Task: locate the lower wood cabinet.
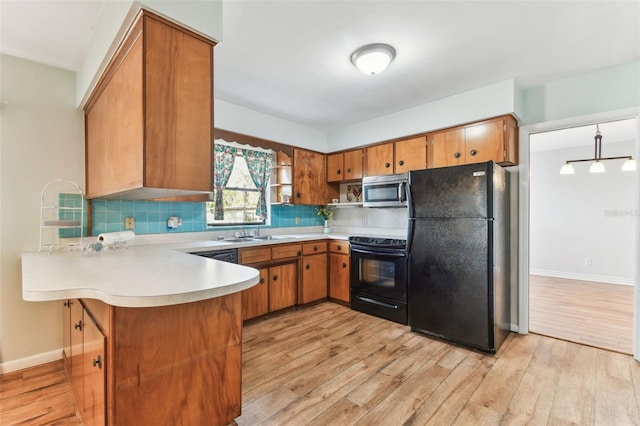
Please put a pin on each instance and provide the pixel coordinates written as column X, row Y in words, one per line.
column 283, row 281
column 339, row 271
column 165, row 365
column 277, row 289
column 313, row 285
column 255, row 300
column 85, row 352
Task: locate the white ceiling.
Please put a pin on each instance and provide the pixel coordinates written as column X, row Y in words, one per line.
column 290, row 58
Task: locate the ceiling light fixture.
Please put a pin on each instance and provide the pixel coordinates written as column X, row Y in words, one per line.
column 598, row 166
column 373, row 58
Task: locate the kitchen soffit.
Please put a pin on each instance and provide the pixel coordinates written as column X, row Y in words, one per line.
column 291, row 59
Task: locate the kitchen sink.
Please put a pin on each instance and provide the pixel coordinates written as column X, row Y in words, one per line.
column 250, row 238
column 271, row 237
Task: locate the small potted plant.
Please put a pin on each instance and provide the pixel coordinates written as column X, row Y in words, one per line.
column 326, row 213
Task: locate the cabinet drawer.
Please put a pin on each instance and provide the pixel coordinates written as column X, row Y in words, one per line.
column 339, row 247
column 314, row 247
column 253, row 255
column 286, row 250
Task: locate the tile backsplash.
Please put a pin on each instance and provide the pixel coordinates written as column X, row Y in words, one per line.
column 151, row 216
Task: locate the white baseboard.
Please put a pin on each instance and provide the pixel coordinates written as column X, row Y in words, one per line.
column 582, row 277
column 30, row 361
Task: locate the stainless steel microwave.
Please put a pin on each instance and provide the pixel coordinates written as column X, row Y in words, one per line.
column 385, row 191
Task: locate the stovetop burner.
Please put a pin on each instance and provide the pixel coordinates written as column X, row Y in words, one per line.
column 395, row 243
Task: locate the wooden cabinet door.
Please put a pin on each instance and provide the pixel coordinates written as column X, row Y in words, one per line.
column 339, row 275
column 283, row 280
column 114, row 126
column 411, row 154
column 77, row 353
column 378, row 160
column 353, row 164
column 335, row 167
column 314, row 278
column 255, row 300
column 484, row 142
column 309, row 177
column 178, row 108
column 94, row 373
column 66, row 334
column 447, row 148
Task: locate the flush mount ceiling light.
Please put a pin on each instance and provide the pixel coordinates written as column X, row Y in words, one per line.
column 373, row 58
column 598, row 166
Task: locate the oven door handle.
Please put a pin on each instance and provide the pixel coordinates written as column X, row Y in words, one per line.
column 381, row 253
column 377, row 302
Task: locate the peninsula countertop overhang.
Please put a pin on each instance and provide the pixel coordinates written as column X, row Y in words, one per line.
column 143, row 275
column 138, row 276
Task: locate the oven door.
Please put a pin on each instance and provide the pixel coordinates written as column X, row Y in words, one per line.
column 379, row 283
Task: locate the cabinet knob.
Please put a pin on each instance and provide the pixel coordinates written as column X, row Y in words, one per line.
column 401, row 162
column 344, row 265
column 97, row 362
column 473, row 152
column 299, row 252
column 67, row 303
column 298, row 194
column 315, row 248
column 349, row 170
column 339, row 171
column 307, row 266
column 338, row 248
column 261, row 280
column 456, row 155
column 387, row 165
column 275, row 278
column 78, row 326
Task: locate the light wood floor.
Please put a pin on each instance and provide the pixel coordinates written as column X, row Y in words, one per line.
column 329, row 365
column 590, row 313
column 37, row 396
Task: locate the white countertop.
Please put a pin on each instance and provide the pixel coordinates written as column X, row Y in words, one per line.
column 142, row 275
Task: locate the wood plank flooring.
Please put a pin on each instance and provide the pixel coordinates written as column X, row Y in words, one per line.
column 37, row 396
column 590, row 313
column 329, row 365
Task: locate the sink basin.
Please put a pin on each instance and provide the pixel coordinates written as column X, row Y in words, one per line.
column 272, row 237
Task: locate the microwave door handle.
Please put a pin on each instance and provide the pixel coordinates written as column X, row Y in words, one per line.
column 403, row 191
column 400, row 197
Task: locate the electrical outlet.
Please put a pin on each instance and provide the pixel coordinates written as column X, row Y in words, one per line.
column 365, row 219
column 297, row 220
column 587, row 261
column 129, row 223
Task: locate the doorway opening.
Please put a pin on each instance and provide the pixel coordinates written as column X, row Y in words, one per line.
column 582, row 237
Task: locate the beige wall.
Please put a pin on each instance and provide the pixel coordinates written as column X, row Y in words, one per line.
column 41, row 138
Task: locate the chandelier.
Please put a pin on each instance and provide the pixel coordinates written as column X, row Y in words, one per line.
column 597, row 166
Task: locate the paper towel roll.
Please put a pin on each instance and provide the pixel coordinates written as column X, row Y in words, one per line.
column 116, row 237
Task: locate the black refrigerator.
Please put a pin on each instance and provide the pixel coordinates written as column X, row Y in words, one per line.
column 458, row 254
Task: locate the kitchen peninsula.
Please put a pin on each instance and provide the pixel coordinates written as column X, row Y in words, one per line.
column 152, row 334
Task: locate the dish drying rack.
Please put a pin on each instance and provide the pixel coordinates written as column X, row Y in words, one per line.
column 61, row 215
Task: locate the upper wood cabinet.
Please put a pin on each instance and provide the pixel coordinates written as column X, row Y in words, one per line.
column 309, row 178
column 149, row 121
column 344, row 166
column 494, row 139
column 396, row 157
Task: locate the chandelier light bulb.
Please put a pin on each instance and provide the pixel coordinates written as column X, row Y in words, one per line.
column 567, row 169
column 597, row 167
column 629, row 165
